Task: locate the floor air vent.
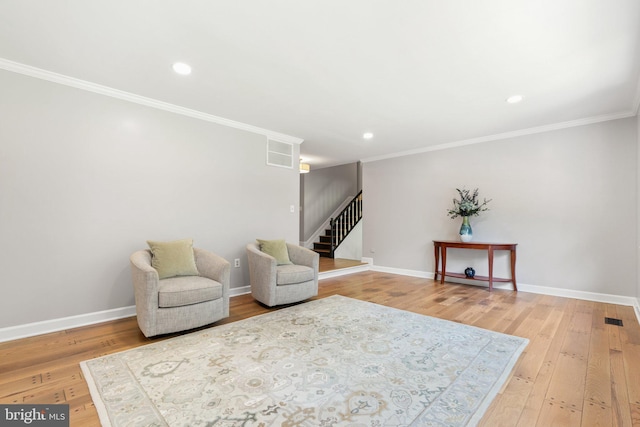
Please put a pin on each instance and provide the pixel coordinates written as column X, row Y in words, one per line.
column 611, row 321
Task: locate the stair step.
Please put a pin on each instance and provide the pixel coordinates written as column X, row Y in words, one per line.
column 322, row 246
column 323, row 253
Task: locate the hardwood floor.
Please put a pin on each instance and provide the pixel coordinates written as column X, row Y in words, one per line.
column 576, row 371
column 330, row 264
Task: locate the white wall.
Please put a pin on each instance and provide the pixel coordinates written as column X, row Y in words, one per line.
column 567, row 197
column 638, row 193
column 351, row 246
column 86, row 179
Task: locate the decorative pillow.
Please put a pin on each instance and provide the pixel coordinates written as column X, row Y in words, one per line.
column 277, row 249
column 173, row 258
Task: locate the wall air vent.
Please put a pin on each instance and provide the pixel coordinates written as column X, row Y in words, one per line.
column 279, row 154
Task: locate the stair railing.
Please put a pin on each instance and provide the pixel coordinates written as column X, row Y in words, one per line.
column 342, row 225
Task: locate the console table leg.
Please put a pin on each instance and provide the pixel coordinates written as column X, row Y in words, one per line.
column 513, row 269
column 490, row 269
column 444, row 265
column 436, row 250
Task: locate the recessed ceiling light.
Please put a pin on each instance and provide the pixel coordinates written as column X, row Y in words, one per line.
column 182, row 68
column 514, row 99
column 367, row 135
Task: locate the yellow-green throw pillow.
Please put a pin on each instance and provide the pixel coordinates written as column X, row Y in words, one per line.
column 173, row 258
column 277, row 249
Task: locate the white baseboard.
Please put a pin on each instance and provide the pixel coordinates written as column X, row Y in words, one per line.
column 55, row 325
column 636, row 308
column 343, row 271
column 403, row 272
column 243, row 290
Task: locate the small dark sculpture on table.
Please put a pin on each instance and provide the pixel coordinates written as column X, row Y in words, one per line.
column 469, row 272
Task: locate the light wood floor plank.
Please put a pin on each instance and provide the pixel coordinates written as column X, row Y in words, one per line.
column 597, row 385
column 619, row 396
column 553, row 414
column 632, row 372
column 509, row 404
column 594, row 415
column 613, row 331
column 567, row 384
column 536, row 400
column 534, row 355
column 635, row 415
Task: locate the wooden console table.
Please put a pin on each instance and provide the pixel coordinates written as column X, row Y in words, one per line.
column 440, row 248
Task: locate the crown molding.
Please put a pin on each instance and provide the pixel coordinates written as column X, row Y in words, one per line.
column 62, row 79
column 505, row 135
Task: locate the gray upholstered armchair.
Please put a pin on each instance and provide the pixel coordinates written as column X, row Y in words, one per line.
column 182, row 302
column 274, row 284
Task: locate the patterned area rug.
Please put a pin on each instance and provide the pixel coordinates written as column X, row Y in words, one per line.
column 336, row 361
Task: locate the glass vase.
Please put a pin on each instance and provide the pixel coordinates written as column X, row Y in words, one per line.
column 465, row 230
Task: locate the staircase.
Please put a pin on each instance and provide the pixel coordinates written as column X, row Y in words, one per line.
column 340, row 227
column 323, row 247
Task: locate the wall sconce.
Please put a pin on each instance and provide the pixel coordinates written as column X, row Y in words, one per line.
column 304, row 168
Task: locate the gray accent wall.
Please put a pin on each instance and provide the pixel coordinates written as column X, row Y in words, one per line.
column 568, row 198
column 324, row 190
column 86, row 179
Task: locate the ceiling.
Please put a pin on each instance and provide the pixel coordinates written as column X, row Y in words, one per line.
column 415, row 73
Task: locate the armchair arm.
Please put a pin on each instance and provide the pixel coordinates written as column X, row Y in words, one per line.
column 216, row 268
column 303, row 256
column 212, row 266
column 145, row 277
column 145, row 286
column 262, row 274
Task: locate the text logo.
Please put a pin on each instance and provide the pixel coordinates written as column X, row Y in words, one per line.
column 34, row 415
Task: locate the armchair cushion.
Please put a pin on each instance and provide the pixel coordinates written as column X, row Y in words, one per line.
column 277, row 249
column 179, row 291
column 173, row 258
column 292, row 274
